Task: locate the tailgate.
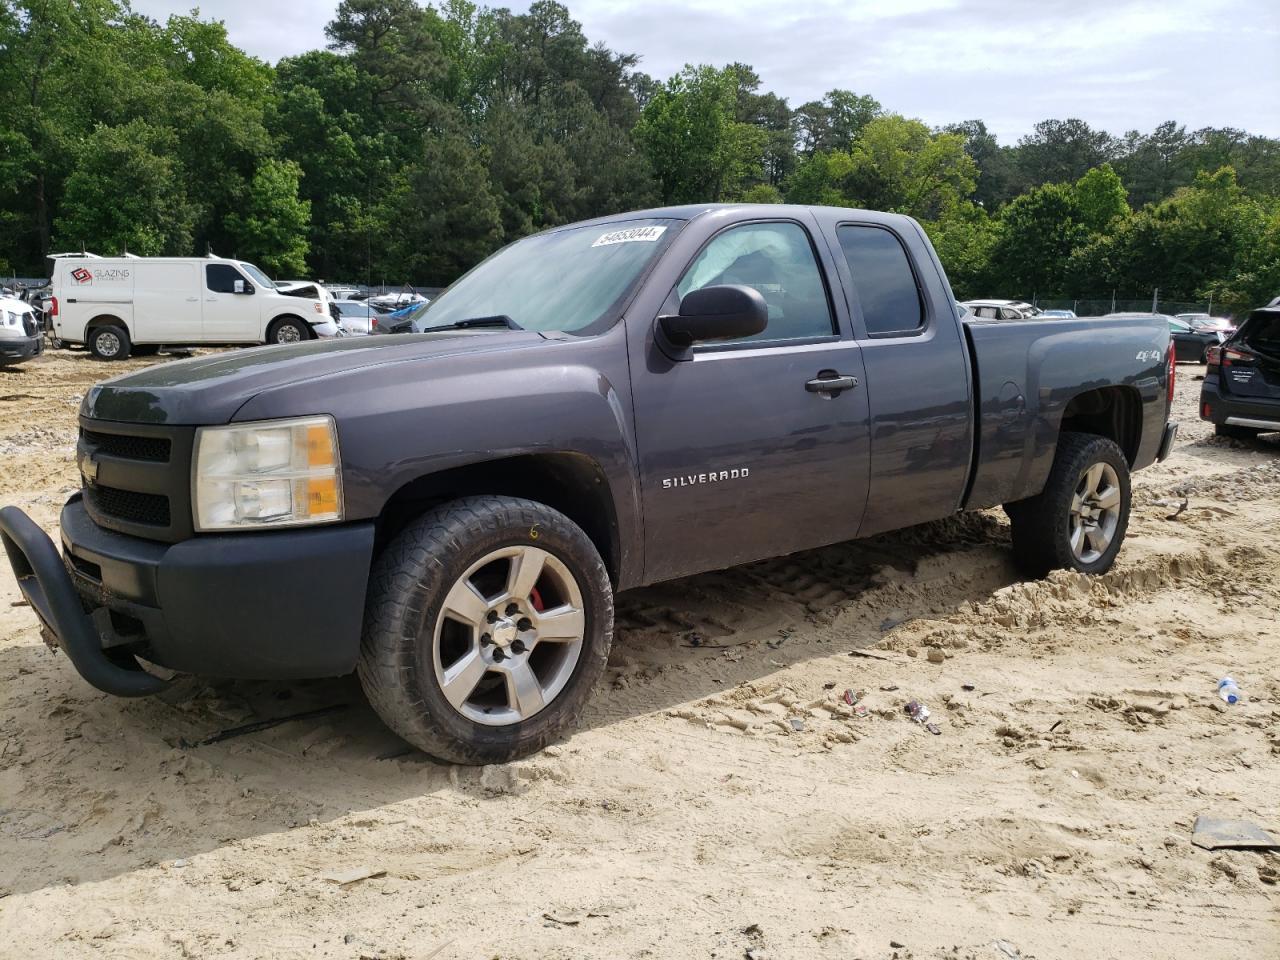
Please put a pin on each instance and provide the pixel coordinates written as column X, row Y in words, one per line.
column 1251, row 359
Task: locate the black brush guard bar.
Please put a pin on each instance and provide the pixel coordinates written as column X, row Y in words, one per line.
column 45, row 583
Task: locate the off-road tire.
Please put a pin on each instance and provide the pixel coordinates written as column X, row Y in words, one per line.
column 273, row 331
column 407, row 586
column 1041, row 524
column 100, row 342
column 1235, row 432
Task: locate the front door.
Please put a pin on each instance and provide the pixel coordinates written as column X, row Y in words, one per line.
column 753, row 448
column 230, row 314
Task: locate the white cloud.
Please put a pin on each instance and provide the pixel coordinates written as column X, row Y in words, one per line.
column 1119, row 64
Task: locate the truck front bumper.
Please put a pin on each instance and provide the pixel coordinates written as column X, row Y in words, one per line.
column 17, row 349
column 285, row 604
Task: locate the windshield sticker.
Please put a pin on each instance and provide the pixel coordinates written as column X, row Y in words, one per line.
column 632, row 235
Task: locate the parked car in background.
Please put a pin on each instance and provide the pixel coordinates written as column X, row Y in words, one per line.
column 1189, row 345
column 343, row 291
column 402, row 320
column 1240, row 395
column 119, row 306
column 1058, row 314
column 1207, row 322
column 396, row 301
column 356, row 317
column 1001, row 309
column 20, row 335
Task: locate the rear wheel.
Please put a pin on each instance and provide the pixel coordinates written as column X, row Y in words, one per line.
column 1079, row 521
column 288, row 330
column 487, row 624
column 109, row 342
column 1234, row 432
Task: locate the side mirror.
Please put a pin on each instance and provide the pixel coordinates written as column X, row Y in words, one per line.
column 242, row 286
column 725, row 312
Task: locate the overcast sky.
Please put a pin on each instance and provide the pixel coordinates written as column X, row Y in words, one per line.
column 1119, row 64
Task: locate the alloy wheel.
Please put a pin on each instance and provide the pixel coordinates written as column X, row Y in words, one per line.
column 1095, row 512
column 509, row 634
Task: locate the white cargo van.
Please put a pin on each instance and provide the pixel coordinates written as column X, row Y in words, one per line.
column 122, row 305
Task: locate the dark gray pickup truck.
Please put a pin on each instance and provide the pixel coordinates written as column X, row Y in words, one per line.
column 597, row 407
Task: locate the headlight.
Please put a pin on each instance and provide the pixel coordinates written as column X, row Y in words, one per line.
column 275, row 473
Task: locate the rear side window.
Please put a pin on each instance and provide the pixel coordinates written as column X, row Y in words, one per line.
column 883, row 280
column 221, row 277
column 1262, row 332
column 180, row 277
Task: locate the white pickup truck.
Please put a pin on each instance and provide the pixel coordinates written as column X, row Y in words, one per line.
column 122, row 305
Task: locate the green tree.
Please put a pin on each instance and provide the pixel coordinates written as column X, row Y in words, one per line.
column 1101, row 199
column 695, row 146
column 1184, row 244
column 898, row 164
column 1060, row 151
column 965, row 237
column 270, row 226
column 834, row 122
column 125, row 193
column 1254, row 277
column 1038, row 232
column 996, row 174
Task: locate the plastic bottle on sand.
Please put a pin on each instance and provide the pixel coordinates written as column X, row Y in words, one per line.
column 1228, row 690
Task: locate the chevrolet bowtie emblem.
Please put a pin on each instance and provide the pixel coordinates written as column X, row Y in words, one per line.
column 88, row 467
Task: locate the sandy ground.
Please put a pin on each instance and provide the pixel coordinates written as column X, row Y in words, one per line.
column 1051, row 817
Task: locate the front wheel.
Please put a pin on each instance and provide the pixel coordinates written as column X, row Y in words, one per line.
column 488, row 622
column 1079, row 520
column 287, row 330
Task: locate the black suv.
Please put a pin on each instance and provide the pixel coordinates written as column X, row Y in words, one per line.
column 1241, row 392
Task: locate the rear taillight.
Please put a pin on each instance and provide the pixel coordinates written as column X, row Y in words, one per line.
column 1172, row 372
column 1213, row 357
column 1232, row 355
column 373, row 324
column 53, row 306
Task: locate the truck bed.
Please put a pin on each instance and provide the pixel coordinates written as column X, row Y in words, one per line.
column 1029, row 373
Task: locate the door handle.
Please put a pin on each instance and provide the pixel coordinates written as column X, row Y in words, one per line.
column 192, row 299
column 830, row 382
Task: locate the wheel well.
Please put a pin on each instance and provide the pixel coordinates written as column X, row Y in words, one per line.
column 1113, row 412
column 105, row 320
column 571, row 483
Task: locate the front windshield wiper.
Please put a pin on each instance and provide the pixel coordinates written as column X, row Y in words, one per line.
column 497, row 320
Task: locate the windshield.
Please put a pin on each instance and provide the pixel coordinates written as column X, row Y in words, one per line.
column 573, row 280
column 257, row 276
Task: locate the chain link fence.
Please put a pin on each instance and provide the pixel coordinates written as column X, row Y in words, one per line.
column 1098, row 306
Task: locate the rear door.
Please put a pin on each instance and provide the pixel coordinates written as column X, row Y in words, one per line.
column 741, row 455
column 917, row 373
column 166, row 302
column 230, row 312
column 1251, row 359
